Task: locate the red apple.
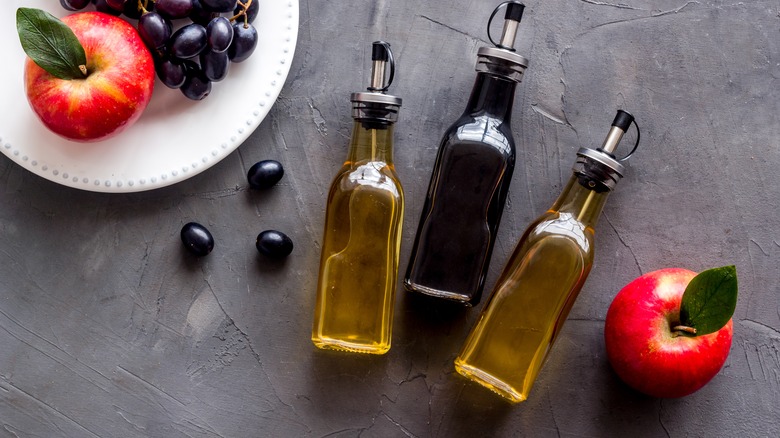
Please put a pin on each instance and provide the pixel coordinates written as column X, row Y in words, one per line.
column 113, row 94
column 648, row 347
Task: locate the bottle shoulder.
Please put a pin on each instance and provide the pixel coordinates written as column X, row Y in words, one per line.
column 560, row 225
column 373, row 175
column 480, row 130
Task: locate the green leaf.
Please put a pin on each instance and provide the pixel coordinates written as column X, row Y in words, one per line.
column 709, row 300
column 50, row 43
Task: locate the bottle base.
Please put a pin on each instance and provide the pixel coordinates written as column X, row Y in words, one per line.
column 489, row 381
column 464, row 299
column 352, row 347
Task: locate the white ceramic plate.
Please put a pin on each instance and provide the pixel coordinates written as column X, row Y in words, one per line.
column 174, row 139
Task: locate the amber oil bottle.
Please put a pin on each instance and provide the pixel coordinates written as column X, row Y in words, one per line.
column 363, row 220
column 537, row 288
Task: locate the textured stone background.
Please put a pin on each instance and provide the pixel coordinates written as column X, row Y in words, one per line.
column 107, row 328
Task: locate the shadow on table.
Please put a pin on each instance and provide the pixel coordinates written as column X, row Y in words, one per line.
column 431, row 332
column 434, row 317
column 345, row 385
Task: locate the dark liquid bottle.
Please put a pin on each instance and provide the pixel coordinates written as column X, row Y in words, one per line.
column 470, row 181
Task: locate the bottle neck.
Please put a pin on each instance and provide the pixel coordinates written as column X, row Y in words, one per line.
column 581, row 202
column 493, row 95
column 371, row 142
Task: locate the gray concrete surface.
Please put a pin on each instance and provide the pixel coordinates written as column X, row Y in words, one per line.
column 107, row 328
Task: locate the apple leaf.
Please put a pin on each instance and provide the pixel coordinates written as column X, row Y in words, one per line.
column 709, row 300
column 51, row 44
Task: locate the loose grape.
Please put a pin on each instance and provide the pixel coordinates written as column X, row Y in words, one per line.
column 251, row 12
column 171, row 73
column 265, row 174
column 155, row 30
column 188, row 41
column 74, row 5
column 196, row 85
column 214, row 65
column 174, row 9
column 220, row 34
column 197, row 239
column 244, row 42
column 219, row 5
column 274, row 244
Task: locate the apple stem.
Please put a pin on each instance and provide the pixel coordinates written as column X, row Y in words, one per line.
column 684, row 328
column 83, row 69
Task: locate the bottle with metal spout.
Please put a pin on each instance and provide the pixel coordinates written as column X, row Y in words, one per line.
column 470, row 179
column 359, row 262
column 534, row 294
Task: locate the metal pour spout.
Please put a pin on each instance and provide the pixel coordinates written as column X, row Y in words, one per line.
column 619, row 127
column 514, row 13
column 375, row 106
column 381, row 55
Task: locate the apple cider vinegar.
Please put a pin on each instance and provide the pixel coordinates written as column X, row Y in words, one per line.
column 534, row 294
column 360, row 250
column 533, row 297
column 363, row 221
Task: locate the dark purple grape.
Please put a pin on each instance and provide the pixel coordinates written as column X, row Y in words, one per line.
column 220, row 34
column 188, row 41
column 102, row 6
column 132, row 11
column 244, row 42
column 197, row 239
column 274, row 244
column 196, row 85
column 214, row 65
column 174, row 9
column 265, row 174
column 190, row 66
column 117, row 5
column 219, row 5
column 171, row 73
column 251, row 12
column 200, row 14
column 155, row 30
column 74, row 5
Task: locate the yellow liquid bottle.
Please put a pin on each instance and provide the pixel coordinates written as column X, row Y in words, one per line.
column 534, row 294
column 360, row 250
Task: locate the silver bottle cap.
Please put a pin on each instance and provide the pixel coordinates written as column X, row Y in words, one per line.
column 599, row 169
column 502, row 59
column 374, row 104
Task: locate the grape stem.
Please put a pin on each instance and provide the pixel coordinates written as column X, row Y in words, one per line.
column 244, row 8
column 142, row 5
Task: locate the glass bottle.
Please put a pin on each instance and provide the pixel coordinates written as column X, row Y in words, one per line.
column 534, row 294
column 359, row 262
column 470, row 179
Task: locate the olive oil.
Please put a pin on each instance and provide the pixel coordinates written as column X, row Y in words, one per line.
column 470, row 180
column 539, row 284
column 534, row 295
column 360, row 250
column 362, row 238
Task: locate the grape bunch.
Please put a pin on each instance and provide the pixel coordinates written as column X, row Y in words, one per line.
column 188, row 55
